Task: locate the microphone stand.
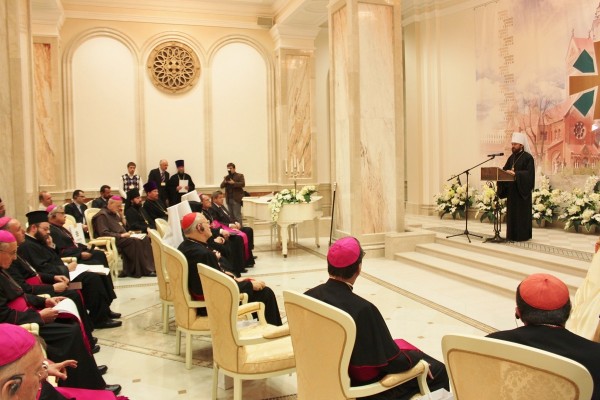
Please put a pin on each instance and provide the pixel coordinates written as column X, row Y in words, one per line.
column 467, row 173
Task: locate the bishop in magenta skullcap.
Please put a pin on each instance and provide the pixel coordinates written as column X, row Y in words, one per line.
column 6, row 237
column 344, row 252
column 4, row 221
column 544, row 292
column 116, row 198
column 15, row 342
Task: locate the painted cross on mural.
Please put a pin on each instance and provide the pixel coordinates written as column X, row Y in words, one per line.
column 583, row 83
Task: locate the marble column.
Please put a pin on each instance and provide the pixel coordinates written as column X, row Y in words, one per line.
column 367, row 118
column 18, row 178
column 295, row 101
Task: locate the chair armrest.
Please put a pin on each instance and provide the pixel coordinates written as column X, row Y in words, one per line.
column 243, row 298
column 197, row 304
column 420, row 371
column 32, row 327
column 43, row 296
column 68, row 260
column 392, row 380
column 99, row 242
column 280, row 331
column 248, row 308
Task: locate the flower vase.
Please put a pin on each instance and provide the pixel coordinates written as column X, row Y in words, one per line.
column 588, row 230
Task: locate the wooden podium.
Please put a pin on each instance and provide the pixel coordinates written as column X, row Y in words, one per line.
column 496, row 174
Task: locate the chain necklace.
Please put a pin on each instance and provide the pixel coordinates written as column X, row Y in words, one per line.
column 517, row 159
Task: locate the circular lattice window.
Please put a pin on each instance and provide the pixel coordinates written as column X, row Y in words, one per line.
column 173, row 67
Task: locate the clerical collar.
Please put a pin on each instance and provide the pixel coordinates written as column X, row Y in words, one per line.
column 335, row 278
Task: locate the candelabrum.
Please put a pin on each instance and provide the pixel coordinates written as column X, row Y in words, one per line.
column 296, row 170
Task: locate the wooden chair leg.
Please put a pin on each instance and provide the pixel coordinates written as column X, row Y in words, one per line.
column 177, row 341
column 237, row 388
column 215, row 380
column 188, row 350
column 165, row 317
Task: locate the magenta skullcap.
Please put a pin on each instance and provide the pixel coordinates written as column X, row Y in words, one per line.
column 544, row 292
column 7, row 237
column 344, row 252
column 15, row 342
column 4, row 221
column 50, row 208
column 116, row 198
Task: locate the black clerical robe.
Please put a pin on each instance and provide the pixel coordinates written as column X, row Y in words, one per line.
column 33, row 283
column 97, row 289
column 174, row 195
column 232, row 249
column 138, row 219
column 66, row 246
column 64, row 339
column 374, row 347
column 221, row 215
column 559, row 341
column 518, row 196
column 197, row 252
column 155, row 209
column 137, row 253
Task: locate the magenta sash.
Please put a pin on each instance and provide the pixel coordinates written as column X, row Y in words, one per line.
column 85, row 394
column 34, row 280
column 20, row 304
column 235, row 232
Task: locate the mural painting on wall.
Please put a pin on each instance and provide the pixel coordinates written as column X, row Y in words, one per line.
column 538, row 72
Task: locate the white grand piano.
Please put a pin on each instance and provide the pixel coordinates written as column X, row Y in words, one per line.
column 257, row 208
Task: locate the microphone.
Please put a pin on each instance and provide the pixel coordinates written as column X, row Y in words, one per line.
column 495, row 154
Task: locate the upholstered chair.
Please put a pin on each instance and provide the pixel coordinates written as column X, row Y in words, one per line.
column 164, row 285
column 485, row 368
column 322, row 360
column 255, row 352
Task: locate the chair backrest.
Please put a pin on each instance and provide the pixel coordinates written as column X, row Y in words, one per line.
column 89, row 215
column 321, row 360
column 222, row 301
column 69, row 221
column 162, row 276
column 485, row 368
column 162, row 226
column 185, row 307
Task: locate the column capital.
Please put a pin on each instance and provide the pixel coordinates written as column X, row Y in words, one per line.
column 294, row 37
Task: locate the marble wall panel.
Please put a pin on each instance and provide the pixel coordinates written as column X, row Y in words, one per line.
column 43, row 115
column 240, row 116
column 341, row 118
column 377, row 118
column 298, row 80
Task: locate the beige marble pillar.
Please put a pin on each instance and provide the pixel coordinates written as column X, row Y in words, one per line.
column 18, row 178
column 295, row 102
column 367, row 118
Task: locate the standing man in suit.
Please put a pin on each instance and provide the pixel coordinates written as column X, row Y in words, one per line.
column 77, row 209
column 234, row 183
column 179, row 184
column 160, row 176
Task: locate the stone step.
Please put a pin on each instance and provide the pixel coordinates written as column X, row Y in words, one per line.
column 493, row 273
column 547, row 261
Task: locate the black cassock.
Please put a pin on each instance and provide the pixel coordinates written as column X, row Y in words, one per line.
column 518, row 196
column 374, row 347
column 174, row 195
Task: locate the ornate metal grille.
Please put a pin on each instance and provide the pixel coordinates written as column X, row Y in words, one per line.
column 173, row 67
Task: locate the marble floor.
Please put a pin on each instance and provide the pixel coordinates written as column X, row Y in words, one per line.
column 418, row 306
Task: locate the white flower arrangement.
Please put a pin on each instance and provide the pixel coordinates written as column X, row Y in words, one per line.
column 545, row 202
column 452, row 199
column 289, row 196
column 484, row 203
column 581, row 207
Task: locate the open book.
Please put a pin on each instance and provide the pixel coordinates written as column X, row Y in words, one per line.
column 67, row 306
column 138, row 235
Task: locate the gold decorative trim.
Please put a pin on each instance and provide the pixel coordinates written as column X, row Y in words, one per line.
column 173, row 67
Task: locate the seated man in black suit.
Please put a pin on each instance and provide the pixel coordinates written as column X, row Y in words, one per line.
column 77, row 209
column 154, row 206
column 102, row 201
